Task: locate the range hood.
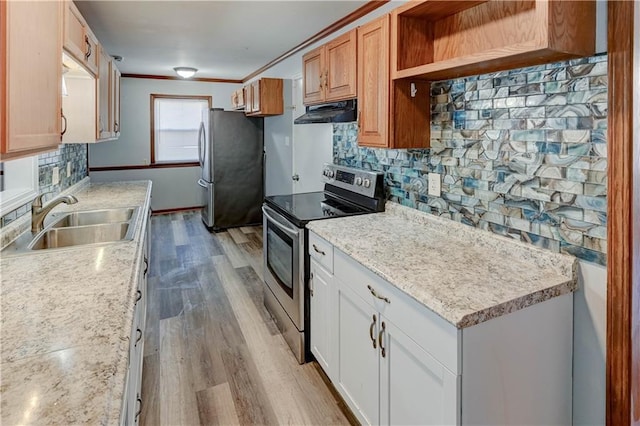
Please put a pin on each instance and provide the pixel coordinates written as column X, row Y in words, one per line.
column 336, row 112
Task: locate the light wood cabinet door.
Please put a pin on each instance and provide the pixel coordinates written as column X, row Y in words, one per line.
column 340, row 67
column 313, row 76
column 115, row 99
column 256, row 96
column 31, row 82
column 248, row 99
column 414, row 387
column 79, row 41
column 322, row 331
column 357, row 354
column 104, row 93
column 373, row 83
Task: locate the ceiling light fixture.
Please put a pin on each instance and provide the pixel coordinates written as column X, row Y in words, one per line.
column 185, row 72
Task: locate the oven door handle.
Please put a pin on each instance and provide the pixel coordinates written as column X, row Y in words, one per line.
column 268, row 212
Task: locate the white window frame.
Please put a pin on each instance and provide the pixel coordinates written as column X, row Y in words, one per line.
column 20, row 183
column 154, row 159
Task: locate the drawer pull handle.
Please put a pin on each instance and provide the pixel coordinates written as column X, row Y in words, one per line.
column 139, row 296
column 311, row 284
column 373, row 338
column 146, row 266
column 139, row 332
column 315, row 247
column 382, row 348
column 139, row 401
column 372, row 290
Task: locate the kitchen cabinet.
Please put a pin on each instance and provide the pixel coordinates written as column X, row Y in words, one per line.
column 330, row 70
column 438, row 40
column 264, row 97
column 114, row 100
column 394, row 361
column 30, row 85
column 391, row 114
column 321, row 290
column 133, row 397
column 237, row 99
column 79, row 41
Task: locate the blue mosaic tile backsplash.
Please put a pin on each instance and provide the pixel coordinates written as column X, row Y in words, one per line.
column 74, row 153
column 521, row 153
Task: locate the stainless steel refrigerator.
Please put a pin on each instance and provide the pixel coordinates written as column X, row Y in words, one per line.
column 231, row 153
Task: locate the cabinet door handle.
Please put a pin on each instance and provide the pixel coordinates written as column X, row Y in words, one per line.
column 382, row 348
column 371, row 336
column 372, row 290
column 116, row 127
column 139, row 296
column 64, row 119
column 326, row 79
column 146, row 266
column 139, row 401
column 139, row 336
column 317, row 250
column 89, row 52
column 311, row 284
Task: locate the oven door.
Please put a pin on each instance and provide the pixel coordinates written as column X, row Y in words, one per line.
column 283, row 263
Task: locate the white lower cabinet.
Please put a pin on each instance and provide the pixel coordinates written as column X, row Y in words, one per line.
column 132, row 403
column 321, row 292
column 394, row 361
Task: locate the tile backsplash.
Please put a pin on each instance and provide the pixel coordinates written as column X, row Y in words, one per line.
column 76, row 154
column 522, row 153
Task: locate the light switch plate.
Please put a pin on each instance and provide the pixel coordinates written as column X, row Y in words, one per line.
column 55, row 178
column 434, row 184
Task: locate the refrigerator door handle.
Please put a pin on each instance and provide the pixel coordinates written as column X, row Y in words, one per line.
column 202, row 183
column 200, row 144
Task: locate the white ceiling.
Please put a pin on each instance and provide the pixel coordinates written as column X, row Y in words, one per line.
column 223, row 39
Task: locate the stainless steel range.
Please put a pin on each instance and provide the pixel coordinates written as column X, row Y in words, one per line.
column 347, row 192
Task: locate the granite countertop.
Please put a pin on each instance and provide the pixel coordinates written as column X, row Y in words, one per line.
column 66, row 319
column 463, row 274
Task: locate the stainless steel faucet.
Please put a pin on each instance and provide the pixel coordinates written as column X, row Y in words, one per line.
column 38, row 213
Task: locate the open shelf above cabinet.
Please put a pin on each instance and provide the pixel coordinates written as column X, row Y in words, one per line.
column 437, row 40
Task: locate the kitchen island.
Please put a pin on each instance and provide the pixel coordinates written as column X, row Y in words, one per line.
column 67, row 318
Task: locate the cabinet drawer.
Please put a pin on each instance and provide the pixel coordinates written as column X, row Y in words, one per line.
column 321, row 250
column 435, row 335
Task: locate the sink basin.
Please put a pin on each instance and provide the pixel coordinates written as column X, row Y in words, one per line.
column 94, row 217
column 77, row 235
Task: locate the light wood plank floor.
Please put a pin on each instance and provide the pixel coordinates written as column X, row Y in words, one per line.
column 212, row 353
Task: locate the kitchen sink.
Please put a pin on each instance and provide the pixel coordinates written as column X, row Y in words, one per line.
column 79, row 235
column 94, row 217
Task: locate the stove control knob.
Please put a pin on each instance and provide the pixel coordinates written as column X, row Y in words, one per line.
column 367, row 183
column 358, row 181
column 330, row 173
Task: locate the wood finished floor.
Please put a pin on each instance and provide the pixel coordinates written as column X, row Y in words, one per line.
column 212, row 354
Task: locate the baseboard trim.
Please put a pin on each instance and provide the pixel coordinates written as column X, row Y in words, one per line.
column 174, row 210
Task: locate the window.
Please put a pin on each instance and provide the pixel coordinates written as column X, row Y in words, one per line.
column 175, row 124
column 18, row 183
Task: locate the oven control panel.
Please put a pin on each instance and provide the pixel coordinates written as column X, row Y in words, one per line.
column 363, row 182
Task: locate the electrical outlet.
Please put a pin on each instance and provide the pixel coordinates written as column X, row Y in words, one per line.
column 68, row 168
column 434, row 184
column 55, row 178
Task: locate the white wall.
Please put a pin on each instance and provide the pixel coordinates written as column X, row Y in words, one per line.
column 172, row 187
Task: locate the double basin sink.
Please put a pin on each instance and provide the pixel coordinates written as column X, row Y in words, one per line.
column 80, row 228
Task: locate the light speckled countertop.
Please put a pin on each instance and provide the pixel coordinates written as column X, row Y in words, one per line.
column 66, row 318
column 463, row 274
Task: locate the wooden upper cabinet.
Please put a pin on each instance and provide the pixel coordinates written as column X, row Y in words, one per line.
column 391, row 114
column 313, row 82
column 264, row 97
column 340, row 67
column 31, row 81
column 330, row 70
column 237, row 99
column 433, row 42
column 115, row 99
column 79, row 41
column 373, row 83
column 105, row 125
